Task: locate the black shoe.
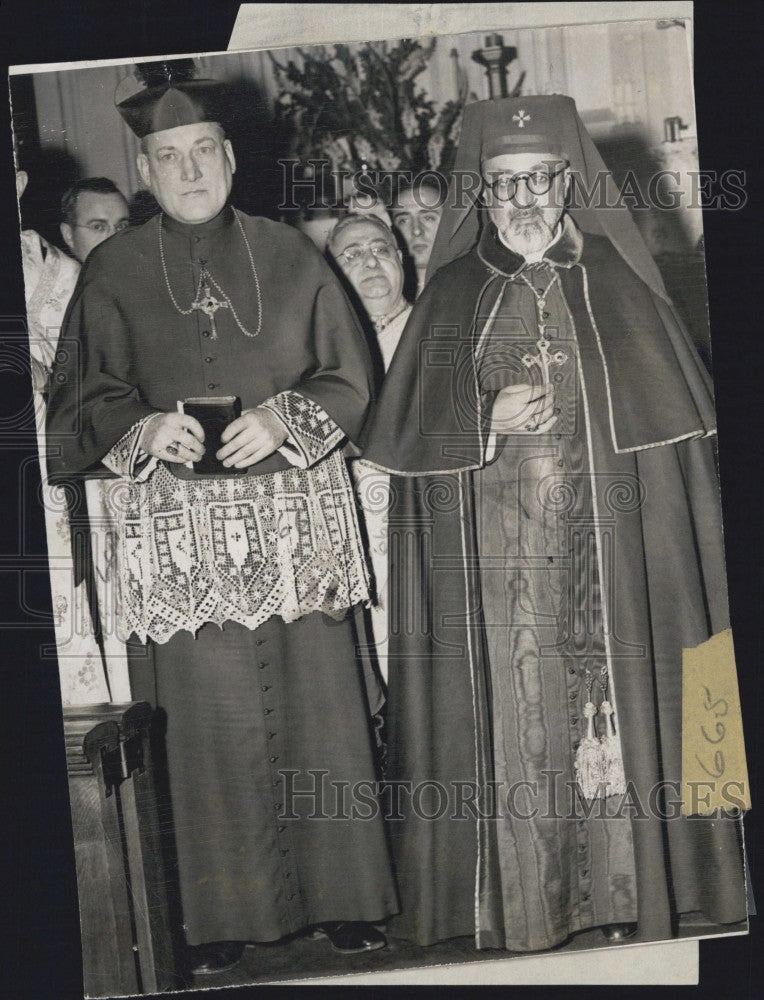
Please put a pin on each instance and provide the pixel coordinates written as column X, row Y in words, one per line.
column 351, row 938
column 619, row 932
column 217, row 956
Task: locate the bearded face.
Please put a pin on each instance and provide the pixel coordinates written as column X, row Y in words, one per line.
column 524, row 194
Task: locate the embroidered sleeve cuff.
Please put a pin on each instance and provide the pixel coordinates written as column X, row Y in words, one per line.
column 127, row 458
column 312, row 432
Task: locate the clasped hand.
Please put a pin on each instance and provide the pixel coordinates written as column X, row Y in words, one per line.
column 523, row 408
column 178, row 437
column 250, row 438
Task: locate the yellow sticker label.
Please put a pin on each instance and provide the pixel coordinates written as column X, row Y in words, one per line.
column 714, row 772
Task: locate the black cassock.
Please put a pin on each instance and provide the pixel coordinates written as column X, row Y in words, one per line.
column 237, row 590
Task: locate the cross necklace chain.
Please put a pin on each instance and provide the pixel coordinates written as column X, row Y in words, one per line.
column 543, row 360
column 204, row 300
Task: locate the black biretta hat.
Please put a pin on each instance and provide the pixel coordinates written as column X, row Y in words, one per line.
column 169, row 96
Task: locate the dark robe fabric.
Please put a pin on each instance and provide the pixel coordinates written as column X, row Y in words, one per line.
column 263, row 843
column 127, row 352
column 245, row 711
column 622, row 494
column 537, row 541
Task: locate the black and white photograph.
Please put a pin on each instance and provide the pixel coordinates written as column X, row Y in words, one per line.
column 372, row 440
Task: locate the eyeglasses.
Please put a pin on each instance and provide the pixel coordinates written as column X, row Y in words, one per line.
column 102, row 228
column 505, row 187
column 356, row 253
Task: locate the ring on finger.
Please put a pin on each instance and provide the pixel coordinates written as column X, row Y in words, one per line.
column 172, row 449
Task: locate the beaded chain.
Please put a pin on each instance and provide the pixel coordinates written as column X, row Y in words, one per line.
column 206, row 302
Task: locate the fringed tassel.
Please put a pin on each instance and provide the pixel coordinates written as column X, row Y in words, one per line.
column 589, row 759
column 612, row 759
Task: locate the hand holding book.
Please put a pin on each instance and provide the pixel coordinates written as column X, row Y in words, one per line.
column 255, row 435
column 173, row 437
column 233, row 440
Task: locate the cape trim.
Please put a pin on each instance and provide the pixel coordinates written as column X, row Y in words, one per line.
column 603, row 584
column 635, row 417
column 489, row 323
column 476, row 722
column 701, row 432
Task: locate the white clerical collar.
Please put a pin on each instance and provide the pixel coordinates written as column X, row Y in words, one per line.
column 538, row 255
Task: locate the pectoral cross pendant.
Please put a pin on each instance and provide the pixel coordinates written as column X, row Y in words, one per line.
column 543, row 360
column 207, row 303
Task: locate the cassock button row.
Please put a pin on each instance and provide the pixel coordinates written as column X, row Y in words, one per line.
column 558, row 377
column 212, row 385
column 574, row 695
column 281, row 829
column 561, row 463
column 267, row 711
column 271, row 735
column 277, row 805
column 265, row 687
column 263, row 664
column 571, row 670
column 546, row 315
column 206, row 333
column 259, row 642
column 273, row 759
column 209, row 360
column 283, row 851
column 574, row 720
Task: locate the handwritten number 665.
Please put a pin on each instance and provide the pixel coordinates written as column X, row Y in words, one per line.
column 720, row 731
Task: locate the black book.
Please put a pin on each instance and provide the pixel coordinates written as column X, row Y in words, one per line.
column 214, row 413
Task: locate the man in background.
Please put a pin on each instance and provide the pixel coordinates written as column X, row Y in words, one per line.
column 50, row 276
column 91, row 210
column 364, row 247
column 416, row 211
